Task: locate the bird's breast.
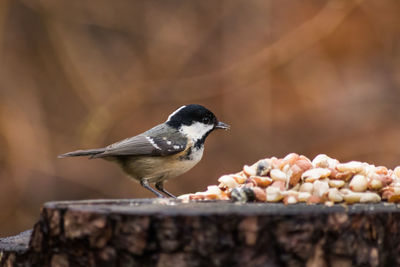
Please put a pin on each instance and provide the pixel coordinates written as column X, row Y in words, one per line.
column 191, row 155
column 162, row 168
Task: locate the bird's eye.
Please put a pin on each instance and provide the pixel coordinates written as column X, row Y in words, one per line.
column 206, row 120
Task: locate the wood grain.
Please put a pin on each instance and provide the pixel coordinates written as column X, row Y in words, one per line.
column 153, row 232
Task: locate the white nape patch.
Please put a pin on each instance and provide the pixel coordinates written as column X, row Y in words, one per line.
column 196, row 131
column 173, row 113
column 153, row 143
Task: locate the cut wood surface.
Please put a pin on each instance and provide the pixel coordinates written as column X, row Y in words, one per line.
column 165, row 232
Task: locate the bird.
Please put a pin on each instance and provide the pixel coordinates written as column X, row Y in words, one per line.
column 165, row 151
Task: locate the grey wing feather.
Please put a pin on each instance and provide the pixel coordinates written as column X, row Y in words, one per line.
column 137, row 145
column 156, row 145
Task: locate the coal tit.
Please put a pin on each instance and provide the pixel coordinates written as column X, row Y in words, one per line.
column 163, row 152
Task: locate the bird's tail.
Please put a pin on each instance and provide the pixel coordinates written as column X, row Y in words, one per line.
column 77, row 153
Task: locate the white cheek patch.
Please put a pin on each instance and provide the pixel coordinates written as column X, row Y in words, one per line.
column 196, row 131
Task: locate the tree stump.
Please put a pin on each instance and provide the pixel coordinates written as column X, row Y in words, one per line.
column 165, row 232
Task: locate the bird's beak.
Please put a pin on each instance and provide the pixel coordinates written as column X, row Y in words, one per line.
column 222, row 125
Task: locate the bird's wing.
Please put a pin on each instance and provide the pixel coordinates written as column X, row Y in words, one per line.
column 143, row 144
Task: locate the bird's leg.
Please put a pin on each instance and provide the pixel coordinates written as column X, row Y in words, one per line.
column 160, row 187
column 145, row 184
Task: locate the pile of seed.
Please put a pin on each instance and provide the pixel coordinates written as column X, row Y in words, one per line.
column 295, row 178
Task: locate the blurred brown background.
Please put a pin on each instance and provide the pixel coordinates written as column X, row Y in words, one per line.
column 289, row 76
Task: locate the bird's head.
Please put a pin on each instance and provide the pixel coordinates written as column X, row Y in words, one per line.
column 195, row 121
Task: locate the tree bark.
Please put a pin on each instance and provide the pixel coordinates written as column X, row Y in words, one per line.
column 163, row 232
